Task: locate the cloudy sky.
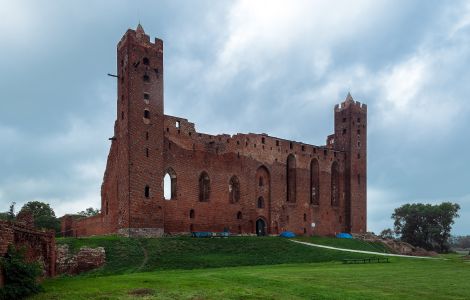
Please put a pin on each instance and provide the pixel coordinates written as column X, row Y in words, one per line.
column 241, row 66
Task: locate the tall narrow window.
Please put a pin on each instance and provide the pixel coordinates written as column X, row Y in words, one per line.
column 239, row 215
column 169, row 184
column 145, row 61
column 234, row 190
column 335, row 192
column 146, row 96
column 261, row 181
column 146, row 114
column 147, row 191
column 260, row 202
column 146, row 78
column 204, row 187
column 291, row 178
column 191, row 214
column 314, row 182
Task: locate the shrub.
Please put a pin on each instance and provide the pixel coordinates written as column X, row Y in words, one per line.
column 20, row 276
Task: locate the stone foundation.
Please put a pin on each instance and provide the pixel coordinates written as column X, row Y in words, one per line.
column 141, row 232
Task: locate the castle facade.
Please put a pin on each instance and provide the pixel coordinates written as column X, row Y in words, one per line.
column 163, row 176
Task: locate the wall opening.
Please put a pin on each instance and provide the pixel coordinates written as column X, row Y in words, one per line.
column 314, row 182
column 234, row 190
column 146, row 114
column 291, row 178
column 169, row 184
column 204, row 187
column 260, row 202
column 239, row 215
column 146, row 78
column 191, row 214
column 145, row 61
column 147, row 191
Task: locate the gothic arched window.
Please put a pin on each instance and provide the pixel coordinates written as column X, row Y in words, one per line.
column 234, row 190
column 204, row 187
column 291, row 180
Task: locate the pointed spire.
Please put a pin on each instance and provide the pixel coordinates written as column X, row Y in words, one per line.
column 349, row 98
column 140, row 29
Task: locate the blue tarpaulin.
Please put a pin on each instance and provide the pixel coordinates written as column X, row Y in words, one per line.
column 287, row 234
column 344, row 235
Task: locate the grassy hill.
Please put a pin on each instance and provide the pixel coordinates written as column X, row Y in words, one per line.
column 254, row 268
column 127, row 255
column 402, row 279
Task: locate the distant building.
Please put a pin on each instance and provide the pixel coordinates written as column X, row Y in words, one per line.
column 245, row 183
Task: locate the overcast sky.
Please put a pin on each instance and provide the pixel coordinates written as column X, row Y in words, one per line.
column 241, row 66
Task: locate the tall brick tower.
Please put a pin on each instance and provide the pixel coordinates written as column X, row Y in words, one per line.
column 139, row 134
column 351, row 137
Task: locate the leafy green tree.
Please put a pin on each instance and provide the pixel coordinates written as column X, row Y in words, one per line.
column 425, row 225
column 89, row 212
column 10, row 214
column 44, row 216
column 387, row 234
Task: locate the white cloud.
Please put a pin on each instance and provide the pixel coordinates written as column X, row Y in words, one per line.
column 263, row 34
column 16, row 22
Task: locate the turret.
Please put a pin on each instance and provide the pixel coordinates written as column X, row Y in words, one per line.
column 350, row 137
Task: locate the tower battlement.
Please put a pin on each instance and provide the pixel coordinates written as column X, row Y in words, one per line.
column 349, row 101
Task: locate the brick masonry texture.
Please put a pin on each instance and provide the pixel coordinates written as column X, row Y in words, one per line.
column 243, row 183
column 38, row 245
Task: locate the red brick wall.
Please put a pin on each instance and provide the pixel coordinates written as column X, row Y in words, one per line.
column 144, row 148
column 38, row 245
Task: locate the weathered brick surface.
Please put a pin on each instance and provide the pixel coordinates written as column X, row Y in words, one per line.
column 85, row 260
column 38, row 245
column 144, row 148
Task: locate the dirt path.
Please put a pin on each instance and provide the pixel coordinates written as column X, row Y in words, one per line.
column 146, row 258
column 362, row 251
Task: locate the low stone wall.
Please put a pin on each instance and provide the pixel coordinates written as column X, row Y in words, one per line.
column 86, row 259
column 38, row 245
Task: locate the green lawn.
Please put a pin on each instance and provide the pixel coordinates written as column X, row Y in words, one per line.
column 124, row 255
column 254, row 268
column 400, row 279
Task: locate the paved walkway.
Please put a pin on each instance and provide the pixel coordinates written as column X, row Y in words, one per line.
column 361, row 251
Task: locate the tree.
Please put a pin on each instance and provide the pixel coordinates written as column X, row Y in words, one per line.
column 89, row 212
column 43, row 214
column 387, row 234
column 425, row 225
column 10, row 214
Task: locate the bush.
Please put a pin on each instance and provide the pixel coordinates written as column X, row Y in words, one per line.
column 20, row 276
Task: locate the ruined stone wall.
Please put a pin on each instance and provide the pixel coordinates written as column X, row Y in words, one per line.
column 38, row 245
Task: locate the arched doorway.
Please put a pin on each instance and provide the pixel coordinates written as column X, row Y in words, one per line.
column 260, row 227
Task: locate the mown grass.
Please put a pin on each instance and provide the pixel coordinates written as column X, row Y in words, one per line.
column 400, row 279
column 125, row 255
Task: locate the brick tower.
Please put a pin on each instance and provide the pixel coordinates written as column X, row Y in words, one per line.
column 139, row 134
column 351, row 137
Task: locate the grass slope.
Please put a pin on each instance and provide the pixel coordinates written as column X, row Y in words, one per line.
column 124, row 255
column 401, row 279
column 347, row 243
